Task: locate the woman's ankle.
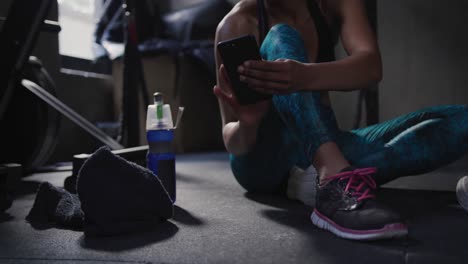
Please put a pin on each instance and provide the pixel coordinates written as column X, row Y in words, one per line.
column 329, row 161
column 325, row 172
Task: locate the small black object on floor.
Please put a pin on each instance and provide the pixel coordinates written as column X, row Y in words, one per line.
column 114, row 197
column 55, row 206
column 10, row 175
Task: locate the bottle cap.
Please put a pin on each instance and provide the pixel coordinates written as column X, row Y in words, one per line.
column 155, row 121
column 158, row 98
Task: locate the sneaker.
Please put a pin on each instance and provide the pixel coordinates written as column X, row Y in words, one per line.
column 346, row 206
column 462, row 192
column 302, row 185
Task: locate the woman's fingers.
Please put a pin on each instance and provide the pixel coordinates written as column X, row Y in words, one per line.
column 267, row 86
column 271, row 91
column 226, row 91
column 270, row 77
column 261, row 65
column 264, row 75
column 224, row 79
column 225, row 97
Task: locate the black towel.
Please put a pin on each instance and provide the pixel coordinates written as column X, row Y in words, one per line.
column 56, row 206
column 118, row 196
column 114, row 197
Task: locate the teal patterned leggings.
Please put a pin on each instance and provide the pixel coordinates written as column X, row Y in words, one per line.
column 297, row 124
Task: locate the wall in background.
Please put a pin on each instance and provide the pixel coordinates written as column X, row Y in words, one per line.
column 345, row 103
column 424, row 48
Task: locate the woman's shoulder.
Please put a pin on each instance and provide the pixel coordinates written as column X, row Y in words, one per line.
column 242, row 19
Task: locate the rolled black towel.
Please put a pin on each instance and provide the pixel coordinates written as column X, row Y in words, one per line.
column 56, row 206
column 118, row 196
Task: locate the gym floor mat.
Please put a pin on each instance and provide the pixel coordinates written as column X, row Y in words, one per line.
column 216, row 221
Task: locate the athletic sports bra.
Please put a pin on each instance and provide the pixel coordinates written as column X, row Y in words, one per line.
column 326, row 50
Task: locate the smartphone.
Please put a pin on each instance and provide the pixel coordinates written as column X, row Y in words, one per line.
column 235, row 52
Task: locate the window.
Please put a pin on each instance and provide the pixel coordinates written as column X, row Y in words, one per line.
column 78, row 21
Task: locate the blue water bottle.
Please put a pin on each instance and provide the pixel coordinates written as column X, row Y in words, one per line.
column 160, row 135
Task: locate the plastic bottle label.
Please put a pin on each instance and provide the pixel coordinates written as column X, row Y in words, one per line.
column 163, row 166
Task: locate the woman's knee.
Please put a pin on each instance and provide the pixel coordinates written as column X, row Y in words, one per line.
column 456, row 117
column 283, row 30
column 447, row 111
column 460, row 123
column 463, row 110
column 284, row 42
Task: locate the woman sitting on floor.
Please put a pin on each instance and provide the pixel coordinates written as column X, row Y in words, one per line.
column 297, row 127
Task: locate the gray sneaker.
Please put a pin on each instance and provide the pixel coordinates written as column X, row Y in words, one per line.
column 347, row 207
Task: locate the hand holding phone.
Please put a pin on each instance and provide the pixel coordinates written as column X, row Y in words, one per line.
column 234, row 53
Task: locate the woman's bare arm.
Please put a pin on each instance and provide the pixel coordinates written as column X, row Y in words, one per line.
column 240, row 123
column 361, row 68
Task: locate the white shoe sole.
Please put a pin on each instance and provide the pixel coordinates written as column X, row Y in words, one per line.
column 388, row 231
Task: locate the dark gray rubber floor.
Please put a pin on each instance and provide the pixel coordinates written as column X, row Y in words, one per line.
column 217, row 222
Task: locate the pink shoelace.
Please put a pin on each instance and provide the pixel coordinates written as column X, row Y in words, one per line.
column 357, row 179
